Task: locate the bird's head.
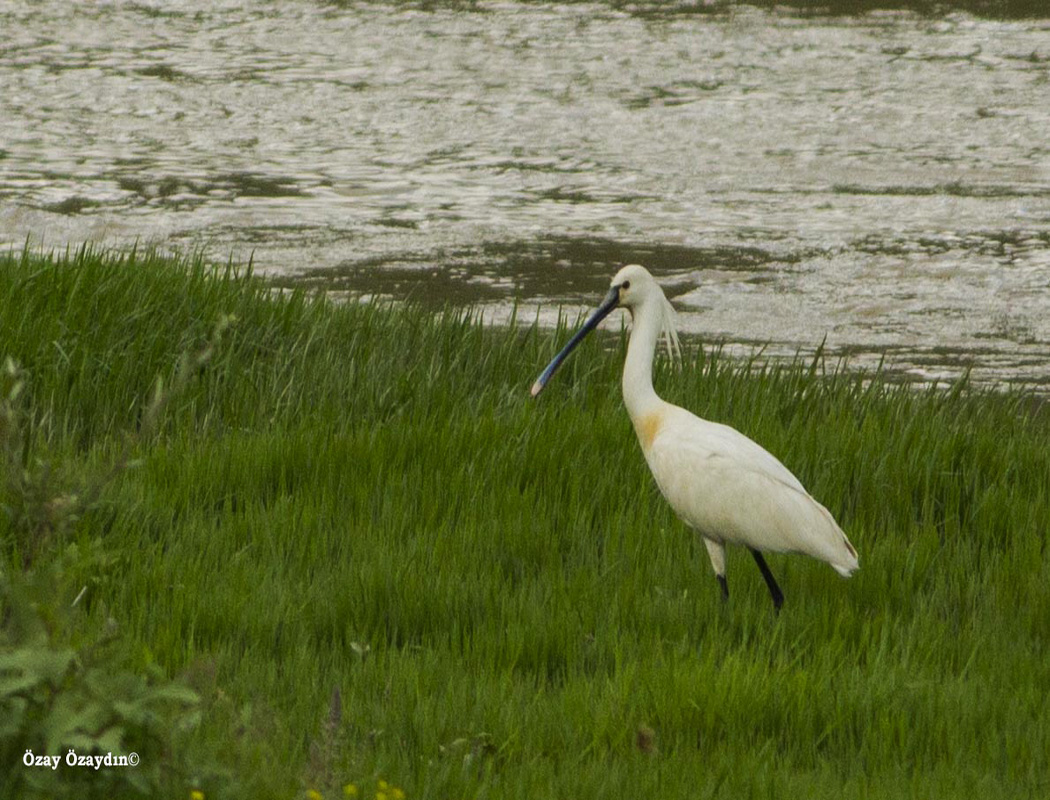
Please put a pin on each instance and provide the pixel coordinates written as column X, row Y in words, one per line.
column 632, row 288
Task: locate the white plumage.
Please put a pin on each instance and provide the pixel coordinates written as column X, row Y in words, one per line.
column 723, row 485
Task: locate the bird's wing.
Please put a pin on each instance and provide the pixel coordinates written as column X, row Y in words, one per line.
column 731, row 489
column 704, row 440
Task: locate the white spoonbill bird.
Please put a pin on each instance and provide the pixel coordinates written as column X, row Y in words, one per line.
column 720, row 483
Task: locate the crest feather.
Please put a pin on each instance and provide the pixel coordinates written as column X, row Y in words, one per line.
column 669, row 329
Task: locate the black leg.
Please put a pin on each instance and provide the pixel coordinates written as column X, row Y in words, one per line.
column 771, row 582
column 725, row 586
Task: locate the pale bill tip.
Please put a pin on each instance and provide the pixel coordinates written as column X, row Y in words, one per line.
column 537, row 387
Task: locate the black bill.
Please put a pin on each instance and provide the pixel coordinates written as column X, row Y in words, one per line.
column 608, row 304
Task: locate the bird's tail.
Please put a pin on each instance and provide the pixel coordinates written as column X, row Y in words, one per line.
column 849, row 562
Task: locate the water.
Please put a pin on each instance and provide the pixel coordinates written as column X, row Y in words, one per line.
column 881, row 180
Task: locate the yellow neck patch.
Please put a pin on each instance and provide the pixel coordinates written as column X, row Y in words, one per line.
column 647, row 426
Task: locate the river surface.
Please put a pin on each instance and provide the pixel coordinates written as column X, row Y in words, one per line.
column 881, row 181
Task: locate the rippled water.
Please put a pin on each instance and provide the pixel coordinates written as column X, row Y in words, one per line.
column 879, row 180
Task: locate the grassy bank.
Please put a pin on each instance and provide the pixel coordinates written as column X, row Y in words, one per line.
column 376, row 558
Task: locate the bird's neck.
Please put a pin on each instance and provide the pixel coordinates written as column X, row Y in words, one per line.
column 638, row 393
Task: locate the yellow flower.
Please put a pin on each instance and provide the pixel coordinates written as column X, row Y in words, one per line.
column 383, row 786
column 196, row 794
column 350, row 790
column 313, row 794
column 397, row 794
column 381, row 796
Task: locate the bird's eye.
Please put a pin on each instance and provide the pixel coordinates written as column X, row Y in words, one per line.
column 625, row 285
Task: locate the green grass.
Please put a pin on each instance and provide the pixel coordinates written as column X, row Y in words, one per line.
column 366, row 500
